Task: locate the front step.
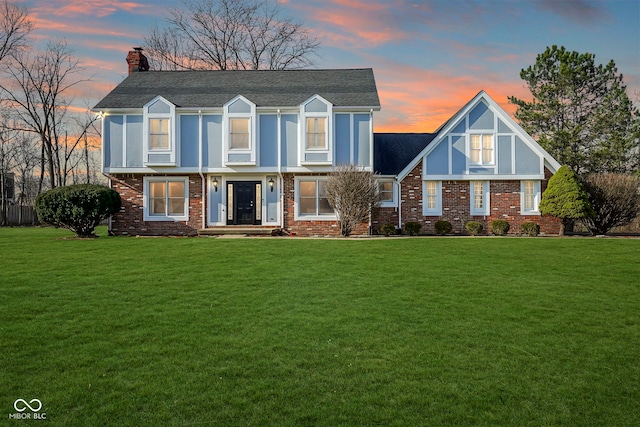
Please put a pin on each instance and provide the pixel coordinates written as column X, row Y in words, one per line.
column 239, row 231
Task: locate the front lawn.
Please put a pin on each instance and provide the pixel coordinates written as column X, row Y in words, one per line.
column 303, row 332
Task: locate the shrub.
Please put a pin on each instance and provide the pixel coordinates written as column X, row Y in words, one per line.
column 388, row 229
column 473, row 228
column 531, row 229
column 615, row 199
column 79, row 208
column 443, row 227
column 413, row 228
column 500, row 227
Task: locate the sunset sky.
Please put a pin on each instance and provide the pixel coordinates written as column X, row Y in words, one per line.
column 429, row 57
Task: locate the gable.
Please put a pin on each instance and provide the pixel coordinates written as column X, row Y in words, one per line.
column 482, row 141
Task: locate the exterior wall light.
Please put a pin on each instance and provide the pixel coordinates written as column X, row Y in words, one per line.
column 215, row 184
column 271, row 183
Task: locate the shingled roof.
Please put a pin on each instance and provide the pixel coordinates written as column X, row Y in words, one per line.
column 265, row 88
column 394, row 151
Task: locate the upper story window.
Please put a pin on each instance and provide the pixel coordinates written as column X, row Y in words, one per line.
column 316, row 118
column 316, row 133
column 159, row 134
column 240, row 134
column 481, row 149
column 160, row 148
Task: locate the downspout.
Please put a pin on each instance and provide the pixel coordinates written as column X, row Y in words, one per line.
column 372, row 165
column 202, row 180
column 399, row 204
column 281, row 178
column 102, row 115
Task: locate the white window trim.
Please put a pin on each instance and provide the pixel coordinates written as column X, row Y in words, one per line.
column 394, row 194
column 438, row 209
column 146, row 212
column 485, row 211
column 536, row 198
column 328, row 115
column 171, row 117
column 493, row 148
column 226, row 129
column 296, row 203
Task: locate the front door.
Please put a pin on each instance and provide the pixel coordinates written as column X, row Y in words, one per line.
column 244, row 202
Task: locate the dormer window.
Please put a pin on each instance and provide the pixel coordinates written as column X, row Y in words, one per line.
column 316, row 131
column 240, row 133
column 159, row 133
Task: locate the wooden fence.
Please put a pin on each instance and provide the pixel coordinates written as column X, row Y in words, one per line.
column 21, row 215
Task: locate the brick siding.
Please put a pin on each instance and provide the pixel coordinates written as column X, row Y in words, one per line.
column 456, row 206
column 309, row 228
column 130, row 220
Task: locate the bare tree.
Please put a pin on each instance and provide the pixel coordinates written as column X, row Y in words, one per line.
column 15, row 26
column 615, row 198
column 353, row 194
column 36, row 95
column 230, row 35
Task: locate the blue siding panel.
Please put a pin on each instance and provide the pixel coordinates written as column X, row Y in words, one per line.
column 460, row 127
column 212, row 137
column 481, row 117
column 458, row 156
column 272, row 201
column 527, row 161
column 289, row 133
column 134, row 142
column 114, row 142
column 505, row 157
column 362, row 139
column 503, row 128
column 268, row 139
column 438, row 159
column 215, row 200
column 342, row 124
column 189, row 145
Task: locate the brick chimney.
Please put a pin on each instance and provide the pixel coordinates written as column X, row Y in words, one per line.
column 137, row 61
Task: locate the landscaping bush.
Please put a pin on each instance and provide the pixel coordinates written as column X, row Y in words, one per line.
column 388, row 229
column 530, row 229
column 413, row 228
column 500, row 227
column 79, row 208
column 443, row 227
column 473, row 228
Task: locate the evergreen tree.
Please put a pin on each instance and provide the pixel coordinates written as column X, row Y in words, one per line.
column 565, row 198
column 580, row 112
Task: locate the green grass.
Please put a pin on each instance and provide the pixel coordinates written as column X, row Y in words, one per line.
column 297, row 332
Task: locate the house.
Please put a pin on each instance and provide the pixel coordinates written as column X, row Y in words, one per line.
column 480, row 165
column 208, row 152
column 205, row 151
